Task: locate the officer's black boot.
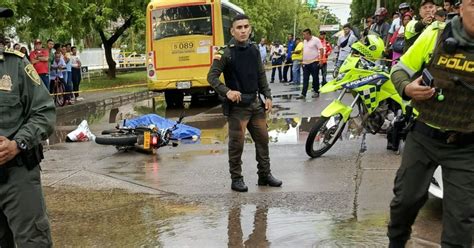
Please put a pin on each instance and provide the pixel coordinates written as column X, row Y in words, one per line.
column 397, row 243
column 269, row 180
column 239, row 185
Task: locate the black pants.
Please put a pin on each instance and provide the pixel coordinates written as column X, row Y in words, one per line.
column 288, row 66
column 324, row 72
column 276, row 66
column 421, row 157
column 313, row 70
column 76, row 80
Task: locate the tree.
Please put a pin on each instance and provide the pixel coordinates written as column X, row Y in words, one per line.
column 111, row 19
column 61, row 20
column 274, row 19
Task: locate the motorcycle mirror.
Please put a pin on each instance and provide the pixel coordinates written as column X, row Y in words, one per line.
column 181, row 117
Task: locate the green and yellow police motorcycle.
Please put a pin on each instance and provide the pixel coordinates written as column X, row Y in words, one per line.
column 373, row 97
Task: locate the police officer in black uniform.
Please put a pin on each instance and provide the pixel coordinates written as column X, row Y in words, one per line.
column 27, row 116
column 245, row 81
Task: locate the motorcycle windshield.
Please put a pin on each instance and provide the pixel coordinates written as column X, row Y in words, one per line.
column 375, row 79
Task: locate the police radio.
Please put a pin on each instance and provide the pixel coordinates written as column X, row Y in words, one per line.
column 427, row 79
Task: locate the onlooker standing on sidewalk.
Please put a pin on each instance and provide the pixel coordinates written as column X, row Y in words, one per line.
column 312, row 53
column 344, row 43
column 297, row 57
column 324, row 59
column 76, row 72
column 262, row 47
column 40, row 60
column 68, row 72
column 277, row 55
column 290, row 46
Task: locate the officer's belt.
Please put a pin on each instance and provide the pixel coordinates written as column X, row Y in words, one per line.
column 246, row 99
column 449, row 137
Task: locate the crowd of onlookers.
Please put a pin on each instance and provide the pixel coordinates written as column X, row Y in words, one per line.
column 56, row 63
column 310, row 53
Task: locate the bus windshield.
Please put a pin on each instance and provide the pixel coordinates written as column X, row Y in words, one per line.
column 179, row 21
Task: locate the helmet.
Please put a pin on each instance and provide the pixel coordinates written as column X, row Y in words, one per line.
column 381, row 12
column 371, row 47
column 404, row 6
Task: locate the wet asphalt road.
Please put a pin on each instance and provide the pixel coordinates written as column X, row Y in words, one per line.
column 181, row 196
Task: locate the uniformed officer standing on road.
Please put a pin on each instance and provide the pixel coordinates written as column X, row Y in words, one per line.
column 27, row 116
column 443, row 133
column 245, row 80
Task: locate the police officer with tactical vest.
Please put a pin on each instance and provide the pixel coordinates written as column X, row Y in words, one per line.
column 245, row 81
column 27, row 116
column 436, row 74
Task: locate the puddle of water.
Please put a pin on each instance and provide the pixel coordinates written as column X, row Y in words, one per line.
column 115, row 218
column 260, row 226
column 83, row 218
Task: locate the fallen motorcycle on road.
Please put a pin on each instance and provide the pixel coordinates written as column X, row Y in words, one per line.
column 147, row 138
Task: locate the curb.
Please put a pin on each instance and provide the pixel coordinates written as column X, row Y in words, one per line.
column 118, row 100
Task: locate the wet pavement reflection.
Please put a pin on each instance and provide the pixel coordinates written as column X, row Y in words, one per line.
column 115, row 218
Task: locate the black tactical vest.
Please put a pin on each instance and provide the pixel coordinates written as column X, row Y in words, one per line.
column 242, row 74
column 452, row 72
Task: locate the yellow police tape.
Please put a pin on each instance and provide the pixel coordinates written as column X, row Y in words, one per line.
column 101, row 89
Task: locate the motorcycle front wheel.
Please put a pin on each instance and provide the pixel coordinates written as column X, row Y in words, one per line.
column 116, row 139
column 324, row 135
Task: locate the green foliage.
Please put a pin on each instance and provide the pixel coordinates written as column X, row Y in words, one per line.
column 274, row 19
column 120, row 80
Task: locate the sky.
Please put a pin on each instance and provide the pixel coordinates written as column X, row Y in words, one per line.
column 341, row 8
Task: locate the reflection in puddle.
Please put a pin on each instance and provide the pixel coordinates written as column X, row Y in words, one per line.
column 261, row 226
column 115, row 218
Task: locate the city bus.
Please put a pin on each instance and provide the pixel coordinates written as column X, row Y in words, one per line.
column 181, row 39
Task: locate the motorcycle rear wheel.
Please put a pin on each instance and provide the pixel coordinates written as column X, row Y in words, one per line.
column 116, row 139
column 322, row 134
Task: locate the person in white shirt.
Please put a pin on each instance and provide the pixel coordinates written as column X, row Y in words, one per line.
column 262, row 47
column 277, row 55
column 344, row 44
column 76, row 72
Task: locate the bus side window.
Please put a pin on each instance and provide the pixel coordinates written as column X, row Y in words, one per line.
column 227, row 16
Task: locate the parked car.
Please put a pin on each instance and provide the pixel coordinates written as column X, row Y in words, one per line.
column 134, row 59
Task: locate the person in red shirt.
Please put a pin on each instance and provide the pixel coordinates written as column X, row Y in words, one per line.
column 324, row 59
column 39, row 58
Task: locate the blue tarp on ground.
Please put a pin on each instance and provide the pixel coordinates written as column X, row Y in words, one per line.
column 182, row 132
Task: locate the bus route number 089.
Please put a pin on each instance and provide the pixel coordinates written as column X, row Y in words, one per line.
column 183, row 45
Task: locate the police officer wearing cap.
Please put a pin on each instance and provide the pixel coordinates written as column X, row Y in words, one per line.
column 27, row 116
column 443, row 133
column 245, row 81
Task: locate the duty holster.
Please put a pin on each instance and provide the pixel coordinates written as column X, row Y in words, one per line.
column 30, row 159
column 226, row 105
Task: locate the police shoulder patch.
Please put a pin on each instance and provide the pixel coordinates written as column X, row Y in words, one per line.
column 31, row 72
column 14, row 52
